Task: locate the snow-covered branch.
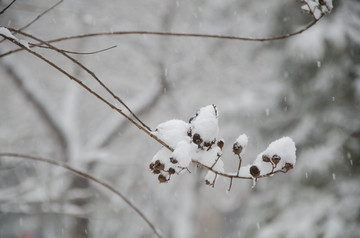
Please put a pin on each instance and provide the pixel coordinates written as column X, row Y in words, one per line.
column 197, row 141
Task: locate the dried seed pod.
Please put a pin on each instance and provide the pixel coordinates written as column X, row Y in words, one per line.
column 162, row 178
column 237, row 148
column 173, row 160
column 288, row 166
column 197, row 139
column 151, row 166
column 155, row 171
column 207, row 182
column 189, row 132
column 220, row 144
column 158, row 165
column 276, row 159
column 254, row 171
column 207, row 144
column 171, row 171
column 265, row 158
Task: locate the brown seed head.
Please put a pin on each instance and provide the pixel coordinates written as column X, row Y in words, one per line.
column 237, row 148
column 254, row 171
column 265, row 158
column 276, row 159
column 288, row 166
column 197, row 139
column 172, row 171
column 173, row 160
column 220, row 144
column 158, row 165
column 162, row 178
column 151, row 166
column 155, row 171
column 207, row 182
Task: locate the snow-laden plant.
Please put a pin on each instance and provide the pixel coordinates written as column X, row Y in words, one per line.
column 317, row 8
column 197, row 141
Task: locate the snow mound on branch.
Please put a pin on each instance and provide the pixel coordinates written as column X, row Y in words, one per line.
column 172, row 132
column 277, row 156
column 205, row 123
column 317, row 8
column 5, row 32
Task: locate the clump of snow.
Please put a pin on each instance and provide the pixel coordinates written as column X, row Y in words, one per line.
column 183, row 153
column 205, row 123
column 240, row 144
column 280, row 154
column 209, row 157
column 6, row 33
column 172, row 132
column 197, row 141
column 317, row 8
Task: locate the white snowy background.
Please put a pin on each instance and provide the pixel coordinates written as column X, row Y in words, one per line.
column 306, row 87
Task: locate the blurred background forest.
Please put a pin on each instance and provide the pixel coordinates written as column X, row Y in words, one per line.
column 306, row 87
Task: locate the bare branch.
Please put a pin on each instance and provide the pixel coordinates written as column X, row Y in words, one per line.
column 79, row 53
column 89, row 177
column 2, row 11
column 172, row 34
column 89, row 72
column 40, row 15
column 89, row 90
column 274, row 38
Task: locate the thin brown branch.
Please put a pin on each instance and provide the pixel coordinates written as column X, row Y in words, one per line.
column 238, row 170
column 89, row 177
column 261, row 39
column 172, row 34
column 89, row 90
column 2, row 11
column 79, row 53
column 40, row 15
column 88, row 71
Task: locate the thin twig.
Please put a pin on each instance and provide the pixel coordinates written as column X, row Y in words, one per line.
column 172, row 34
column 78, row 53
column 261, row 39
column 88, row 71
column 89, row 177
column 90, row 91
column 2, row 11
column 40, row 15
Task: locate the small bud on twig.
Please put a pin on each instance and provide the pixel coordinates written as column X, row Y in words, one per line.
column 171, row 170
column 237, row 148
column 275, row 159
column 254, row 171
column 173, row 160
column 265, row 158
column 158, row 165
column 288, row 166
column 197, row 139
column 220, row 144
column 162, row 178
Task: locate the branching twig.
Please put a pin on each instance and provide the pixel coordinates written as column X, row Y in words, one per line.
column 89, row 90
column 88, row 71
column 89, row 177
column 172, row 34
